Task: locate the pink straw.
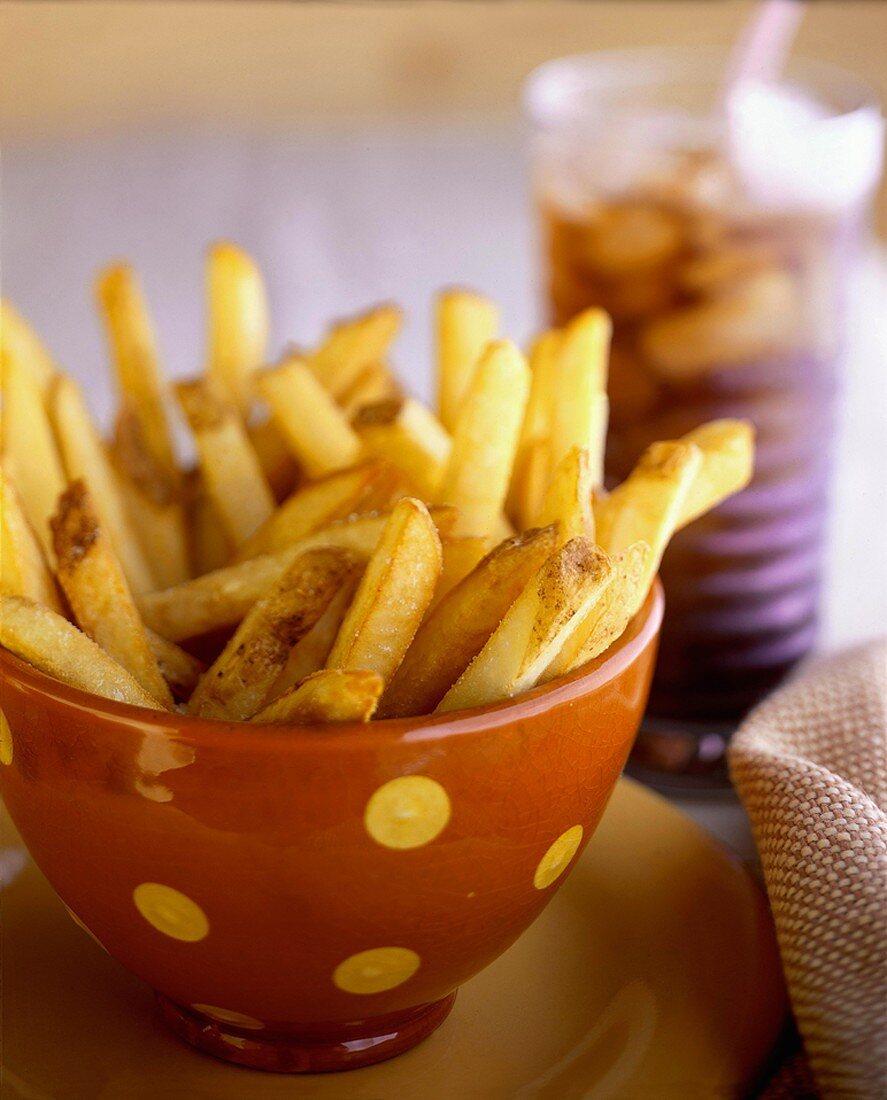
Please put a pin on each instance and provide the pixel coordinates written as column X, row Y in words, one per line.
column 763, row 46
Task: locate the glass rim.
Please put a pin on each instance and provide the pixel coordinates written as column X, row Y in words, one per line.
column 550, row 91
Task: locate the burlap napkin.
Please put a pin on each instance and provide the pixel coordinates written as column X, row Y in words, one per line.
column 810, row 765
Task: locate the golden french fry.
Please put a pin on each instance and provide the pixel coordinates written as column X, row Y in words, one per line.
column 237, row 683
column 407, row 434
column 568, row 498
column 477, row 474
column 153, row 502
column 466, row 323
column 610, row 616
column 313, row 425
column 96, row 589
column 180, row 669
column 728, row 460
column 647, row 506
column 461, row 553
column 579, row 407
column 317, row 504
column 19, row 341
column 23, row 568
column 535, row 628
column 392, row 597
column 331, row 695
column 209, row 547
column 238, row 322
column 353, row 345
column 276, row 459
column 30, row 453
column 460, row 625
column 51, row 644
column 532, row 463
column 374, row 383
column 221, row 598
column 311, row 653
column 229, row 466
column 85, row 458
column 134, row 354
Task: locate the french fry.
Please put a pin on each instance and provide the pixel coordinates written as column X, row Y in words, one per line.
column 236, row 684
column 52, row 645
column 134, row 354
column 535, row 628
column 579, row 407
column 728, row 459
column 331, row 695
column 532, row 463
column 23, row 568
column 314, row 427
column 568, row 499
column 466, row 323
column 96, row 589
column 221, row 598
column 485, row 440
column 209, row 548
column 317, row 504
column 276, row 459
column 180, row 669
column 29, row 449
column 609, row 617
column 19, row 341
column 153, row 502
column 460, row 625
column 229, row 466
column 311, row 653
column 460, row 555
column 353, row 345
column 647, row 506
column 85, row 458
column 392, row 597
column 374, row 383
column 237, row 310
column 409, row 436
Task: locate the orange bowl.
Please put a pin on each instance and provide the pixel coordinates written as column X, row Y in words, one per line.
column 311, row 899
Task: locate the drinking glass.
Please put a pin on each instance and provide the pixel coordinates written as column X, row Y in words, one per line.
column 720, row 229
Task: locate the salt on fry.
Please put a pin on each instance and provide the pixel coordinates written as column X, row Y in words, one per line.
column 237, row 683
column 85, row 459
column 51, row 644
column 97, row 592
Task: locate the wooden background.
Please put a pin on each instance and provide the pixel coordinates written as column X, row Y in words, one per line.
column 76, row 68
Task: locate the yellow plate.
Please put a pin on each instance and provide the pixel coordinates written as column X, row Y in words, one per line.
column 653, row 973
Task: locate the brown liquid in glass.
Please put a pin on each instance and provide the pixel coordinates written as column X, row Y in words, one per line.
column 713, row 318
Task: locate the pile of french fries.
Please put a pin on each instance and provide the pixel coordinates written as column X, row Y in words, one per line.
column 338, row 551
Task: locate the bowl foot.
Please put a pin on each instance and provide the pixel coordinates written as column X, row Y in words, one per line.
column 347, row 1046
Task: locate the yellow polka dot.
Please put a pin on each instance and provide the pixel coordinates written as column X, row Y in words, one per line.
column 171, row 912
column 407, row 812
column 5, row 740
column 376, row 970
column 555, row 861
column 226, row 1016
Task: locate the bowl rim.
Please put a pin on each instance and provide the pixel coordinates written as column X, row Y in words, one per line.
column 636, row 637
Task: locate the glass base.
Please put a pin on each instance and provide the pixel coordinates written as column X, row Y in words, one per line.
column 346, row 1046
column 673, row 755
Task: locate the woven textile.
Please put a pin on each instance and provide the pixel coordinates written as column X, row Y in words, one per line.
column 810, row 765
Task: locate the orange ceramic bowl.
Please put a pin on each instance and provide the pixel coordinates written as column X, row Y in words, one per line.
column 311, row 899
